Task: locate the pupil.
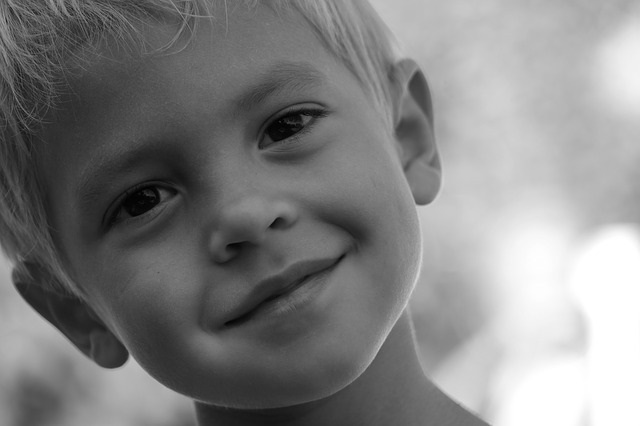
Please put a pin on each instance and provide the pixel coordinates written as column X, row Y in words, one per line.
column 141, row 201
column 287, row 126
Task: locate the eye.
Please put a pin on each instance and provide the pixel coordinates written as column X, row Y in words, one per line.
column 140, row 201
column 292, row 123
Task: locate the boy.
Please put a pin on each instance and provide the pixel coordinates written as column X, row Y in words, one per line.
column 229, row 193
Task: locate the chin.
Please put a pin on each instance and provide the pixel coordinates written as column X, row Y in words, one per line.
column 333, row 372
column 319, row 376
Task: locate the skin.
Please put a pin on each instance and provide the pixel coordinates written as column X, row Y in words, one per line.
column 184, row 139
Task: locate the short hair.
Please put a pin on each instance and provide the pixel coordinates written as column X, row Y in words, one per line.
column 40, row 38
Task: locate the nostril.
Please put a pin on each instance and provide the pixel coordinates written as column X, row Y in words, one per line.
column 278, row 223
column 226, row 252
column 246, row 224
column 233, row 248
column 285, row 216
column 230, row 251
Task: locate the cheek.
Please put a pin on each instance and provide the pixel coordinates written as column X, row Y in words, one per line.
column 395, row 235
column 151, row 300
column 375, row 197
column 367, row 195
column 160, row 328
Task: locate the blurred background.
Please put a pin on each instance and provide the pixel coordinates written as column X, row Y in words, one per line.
column 528, row 310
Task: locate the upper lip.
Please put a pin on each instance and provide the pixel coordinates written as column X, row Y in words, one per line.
column 279, row 284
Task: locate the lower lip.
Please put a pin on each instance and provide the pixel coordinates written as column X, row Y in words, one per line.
column 293, row 300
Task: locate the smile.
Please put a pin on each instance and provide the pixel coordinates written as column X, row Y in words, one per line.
column 285, row 293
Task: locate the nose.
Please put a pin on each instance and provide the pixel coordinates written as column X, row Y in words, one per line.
column 248, row 222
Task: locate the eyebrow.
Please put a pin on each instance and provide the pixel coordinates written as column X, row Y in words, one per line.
column 105, row 166
column 286, row 76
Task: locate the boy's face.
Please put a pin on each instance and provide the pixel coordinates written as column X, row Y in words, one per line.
column 236, row 212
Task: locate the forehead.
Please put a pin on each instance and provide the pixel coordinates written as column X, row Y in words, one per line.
column 224, row 53
column 224, row 49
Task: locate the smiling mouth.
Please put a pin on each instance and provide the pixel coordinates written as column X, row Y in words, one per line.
column 288, row 298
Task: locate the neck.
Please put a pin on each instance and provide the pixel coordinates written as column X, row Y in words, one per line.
column 393, row 390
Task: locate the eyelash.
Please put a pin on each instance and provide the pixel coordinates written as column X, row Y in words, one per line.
column 112, row 218
column 313, row 113
column 119, row 205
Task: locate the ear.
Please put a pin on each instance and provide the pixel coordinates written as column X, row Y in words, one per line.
column 72, row 316
column 413, row 130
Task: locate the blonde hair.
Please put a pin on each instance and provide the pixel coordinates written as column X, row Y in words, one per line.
column 39, row 38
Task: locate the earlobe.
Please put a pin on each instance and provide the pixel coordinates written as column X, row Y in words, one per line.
column 69, row 314
column 106, row 350
column 413, row 130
